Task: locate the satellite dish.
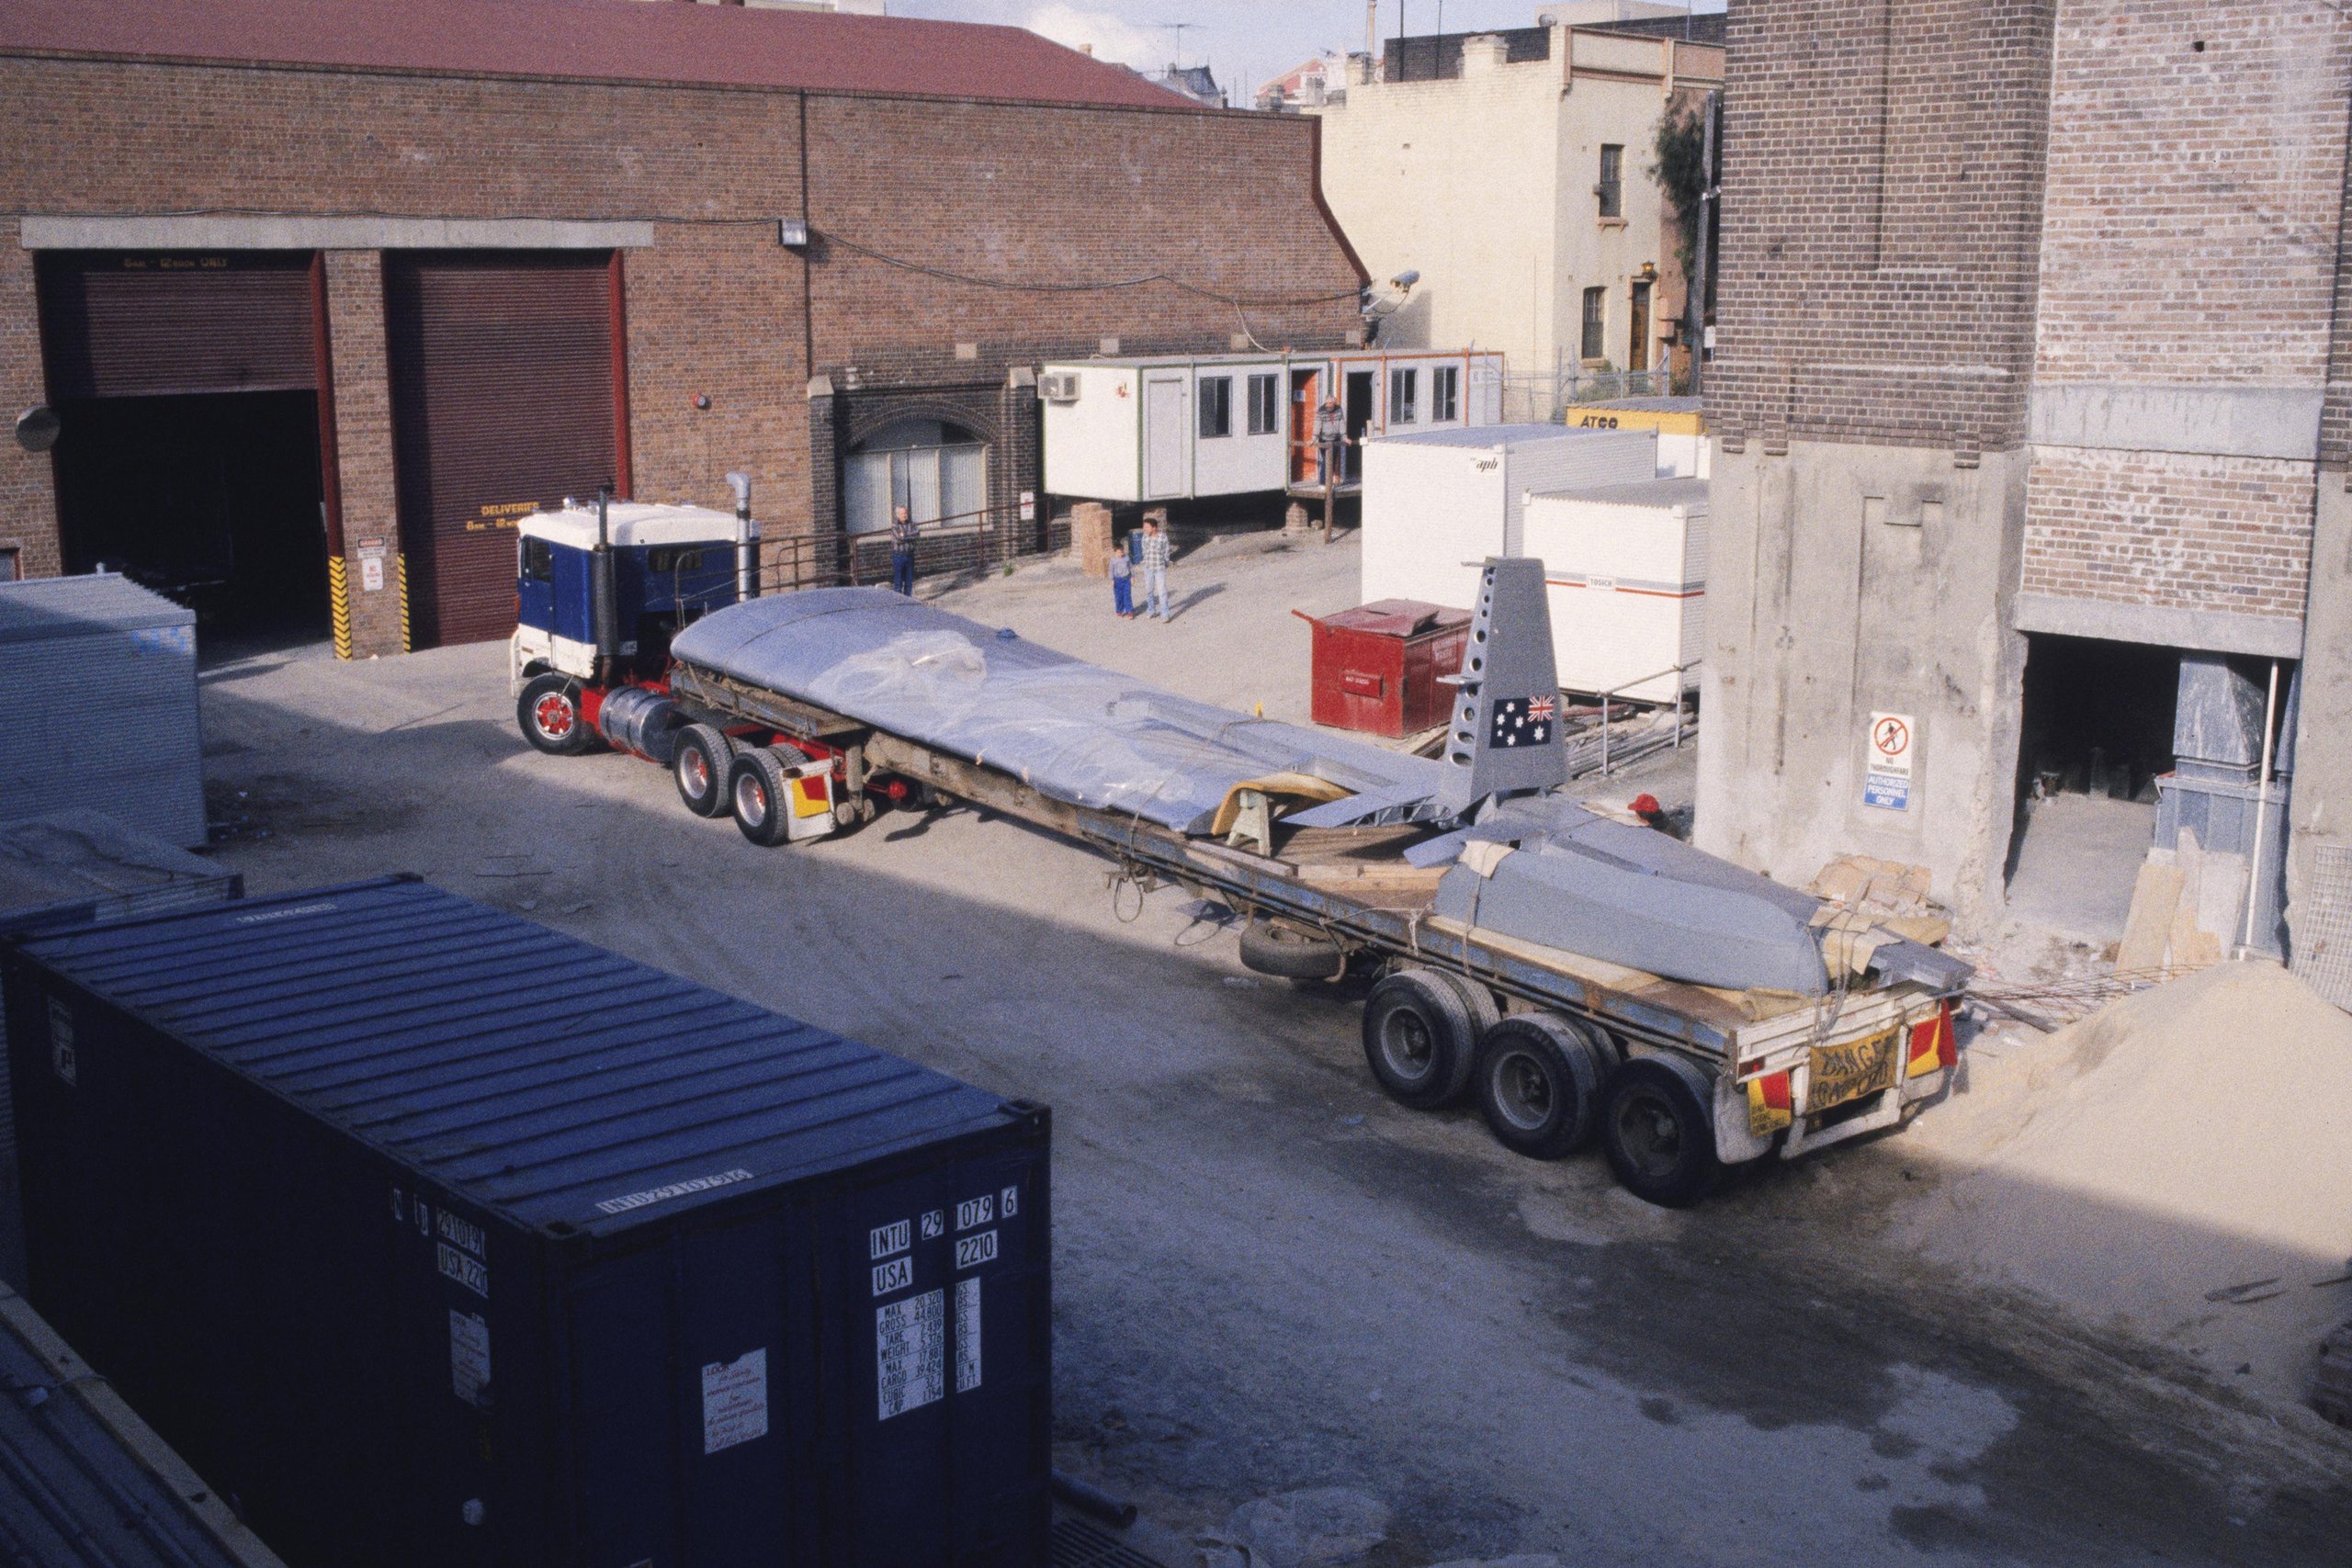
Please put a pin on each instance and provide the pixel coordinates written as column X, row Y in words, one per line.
column 37, row 428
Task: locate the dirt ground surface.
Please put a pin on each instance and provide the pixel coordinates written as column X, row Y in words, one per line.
column 1269, row 1279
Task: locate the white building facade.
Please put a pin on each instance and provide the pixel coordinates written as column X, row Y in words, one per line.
column 1512, row 172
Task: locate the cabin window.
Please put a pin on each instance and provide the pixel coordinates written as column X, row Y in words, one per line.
column 1217, row 406
column 674, row 560
column 1404, row 393
column 1445, row 393
column 1265, row 405
column 538, row 559
column 938, row 471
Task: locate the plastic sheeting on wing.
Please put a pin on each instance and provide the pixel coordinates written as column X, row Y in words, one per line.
column 1072, row 731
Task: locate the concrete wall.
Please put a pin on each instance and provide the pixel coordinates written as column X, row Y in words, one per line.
column 1846, row 579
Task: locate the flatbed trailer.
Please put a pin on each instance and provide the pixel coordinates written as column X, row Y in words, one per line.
column 1771, row 1072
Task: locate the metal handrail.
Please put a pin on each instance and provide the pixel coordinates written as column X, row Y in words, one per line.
column 1643, row 681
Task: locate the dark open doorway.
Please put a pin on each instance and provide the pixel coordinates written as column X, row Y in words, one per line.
column 1361, row 387
column 210, row 498
column 2097, row 730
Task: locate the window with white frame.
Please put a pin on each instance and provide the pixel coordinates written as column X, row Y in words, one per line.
column 1217, row 406
column 1404, row 393
column 1265, row 404
column 1445, row 394
column 937, row 471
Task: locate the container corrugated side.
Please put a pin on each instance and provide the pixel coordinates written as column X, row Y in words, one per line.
column 444, row 1237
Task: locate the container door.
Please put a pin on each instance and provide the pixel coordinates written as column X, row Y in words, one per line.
column 504, row 400
column 688, row 1360
column 1167, row 436
column 943, row 1367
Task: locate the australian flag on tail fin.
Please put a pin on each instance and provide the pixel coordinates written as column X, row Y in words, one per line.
column 1522, row 721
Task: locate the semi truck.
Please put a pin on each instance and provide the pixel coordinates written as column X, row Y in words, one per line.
column 1583, row 979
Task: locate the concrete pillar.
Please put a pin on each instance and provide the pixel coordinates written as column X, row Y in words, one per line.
column 1845, row 581
column 2321, row 813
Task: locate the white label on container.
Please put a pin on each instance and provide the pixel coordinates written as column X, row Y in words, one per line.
column 895, row 1275
column 1008, row 1202
column 974, row 1250
column 469, row 1357
column 896, row 1237
column 63, row 1059
column 734, row 1401
column 967, row 1335
column 469, row 1272
column 909, row 1353
column 935, row 1224
column 974, row 1212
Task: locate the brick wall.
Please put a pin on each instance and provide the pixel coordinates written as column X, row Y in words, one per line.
column 1882, row 194
column 363, row 424
column 28, row 498
column 2192, row 233
column 2196, row 174
column 1009, row 193
column 2185, row 532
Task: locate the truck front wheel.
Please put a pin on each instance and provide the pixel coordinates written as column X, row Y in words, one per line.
column 549, row 712
column 1658, row 1133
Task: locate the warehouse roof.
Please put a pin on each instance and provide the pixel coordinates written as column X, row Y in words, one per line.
column 609, row 39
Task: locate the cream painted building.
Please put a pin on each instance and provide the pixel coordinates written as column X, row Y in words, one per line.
column 1511, row 171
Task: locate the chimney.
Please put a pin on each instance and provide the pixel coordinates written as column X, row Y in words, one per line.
column 1483, row 56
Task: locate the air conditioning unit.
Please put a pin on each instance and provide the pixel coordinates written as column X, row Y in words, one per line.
column 1058, row 386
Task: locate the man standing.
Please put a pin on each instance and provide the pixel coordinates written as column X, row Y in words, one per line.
column 1331, row 430
column 902, row 551
column 1154, row 567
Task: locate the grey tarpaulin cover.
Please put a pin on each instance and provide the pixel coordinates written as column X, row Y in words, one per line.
column 1078, row 733
column 1072, row 731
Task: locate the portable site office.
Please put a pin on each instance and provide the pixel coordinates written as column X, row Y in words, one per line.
column 1187, row 427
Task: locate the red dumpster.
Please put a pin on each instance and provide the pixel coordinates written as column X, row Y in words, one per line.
column 1377, row 668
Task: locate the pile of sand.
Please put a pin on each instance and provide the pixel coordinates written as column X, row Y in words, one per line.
column 2191, row 1139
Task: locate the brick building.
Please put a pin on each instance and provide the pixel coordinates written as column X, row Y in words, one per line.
column 2030, row 388
column 323, row 293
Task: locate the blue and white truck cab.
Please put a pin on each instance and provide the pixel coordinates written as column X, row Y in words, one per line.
column 600, row 588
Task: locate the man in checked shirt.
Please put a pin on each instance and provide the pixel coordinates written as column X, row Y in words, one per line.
column 1155, row 567
column 902, row 551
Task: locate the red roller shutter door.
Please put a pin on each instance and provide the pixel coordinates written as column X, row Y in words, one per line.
column 502, row 372
column 118, row 325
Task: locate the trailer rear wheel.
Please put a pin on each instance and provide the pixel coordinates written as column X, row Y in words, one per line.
column 1420, row 1039
column 1658, row 1131
column 760, row 796
column 699, row 769
column 1539, row 1085
column 549, row 712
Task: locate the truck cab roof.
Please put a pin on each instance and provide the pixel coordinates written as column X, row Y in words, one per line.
column 632, row 523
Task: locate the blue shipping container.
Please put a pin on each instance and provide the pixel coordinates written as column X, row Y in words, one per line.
column 434, row 1236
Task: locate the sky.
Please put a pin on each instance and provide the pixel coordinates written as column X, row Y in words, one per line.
column 1244, row 41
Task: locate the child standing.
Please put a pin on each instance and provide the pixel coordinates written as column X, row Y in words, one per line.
column 1121, row 582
